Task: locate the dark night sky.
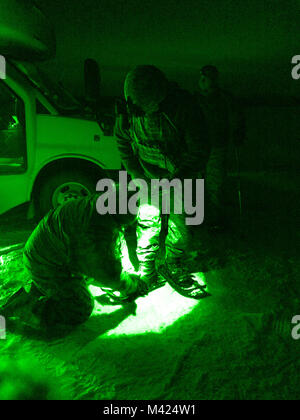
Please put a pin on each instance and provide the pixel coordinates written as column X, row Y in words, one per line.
column 252, row 41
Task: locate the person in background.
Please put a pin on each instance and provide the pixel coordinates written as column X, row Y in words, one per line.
column 226, row 123
column 161, row 134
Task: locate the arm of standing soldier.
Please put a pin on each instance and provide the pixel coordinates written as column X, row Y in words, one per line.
column 124, row 142
column 195, row 134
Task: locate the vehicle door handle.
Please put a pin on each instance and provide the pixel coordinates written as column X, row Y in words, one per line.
column 97, row 138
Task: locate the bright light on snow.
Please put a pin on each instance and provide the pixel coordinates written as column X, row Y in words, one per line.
column 155, row 312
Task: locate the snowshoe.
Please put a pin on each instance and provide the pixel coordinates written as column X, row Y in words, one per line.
column 182, row 281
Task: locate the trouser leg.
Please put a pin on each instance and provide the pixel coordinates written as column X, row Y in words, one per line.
column 214, row 184
column 72, row 306
column 150, row 231
column 58, row 297
column 148, row 238
column 178, row 237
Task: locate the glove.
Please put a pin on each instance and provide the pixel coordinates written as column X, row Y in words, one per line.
column 131, row 284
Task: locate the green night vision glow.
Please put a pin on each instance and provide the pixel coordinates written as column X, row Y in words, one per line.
column 156, row 311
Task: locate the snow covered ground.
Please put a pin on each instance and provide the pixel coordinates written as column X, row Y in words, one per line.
column 170, row 347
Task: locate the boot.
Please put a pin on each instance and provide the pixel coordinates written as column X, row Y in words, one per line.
column 184, row 282
column 150, row 276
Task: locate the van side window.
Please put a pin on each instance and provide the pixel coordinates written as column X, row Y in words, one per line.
column 12, row 132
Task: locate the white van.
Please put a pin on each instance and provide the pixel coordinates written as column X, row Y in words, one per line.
column 52, row 148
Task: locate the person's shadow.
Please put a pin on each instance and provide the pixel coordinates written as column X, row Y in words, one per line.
column 100, row 324
column 96, row 326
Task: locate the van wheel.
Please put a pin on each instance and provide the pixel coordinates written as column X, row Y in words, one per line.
column 63, row 187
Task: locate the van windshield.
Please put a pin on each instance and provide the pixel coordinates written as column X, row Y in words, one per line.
column 55, row 92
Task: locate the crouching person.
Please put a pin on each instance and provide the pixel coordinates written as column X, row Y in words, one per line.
column 72, row 244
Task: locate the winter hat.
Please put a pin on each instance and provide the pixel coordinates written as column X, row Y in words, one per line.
column 146, row 86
